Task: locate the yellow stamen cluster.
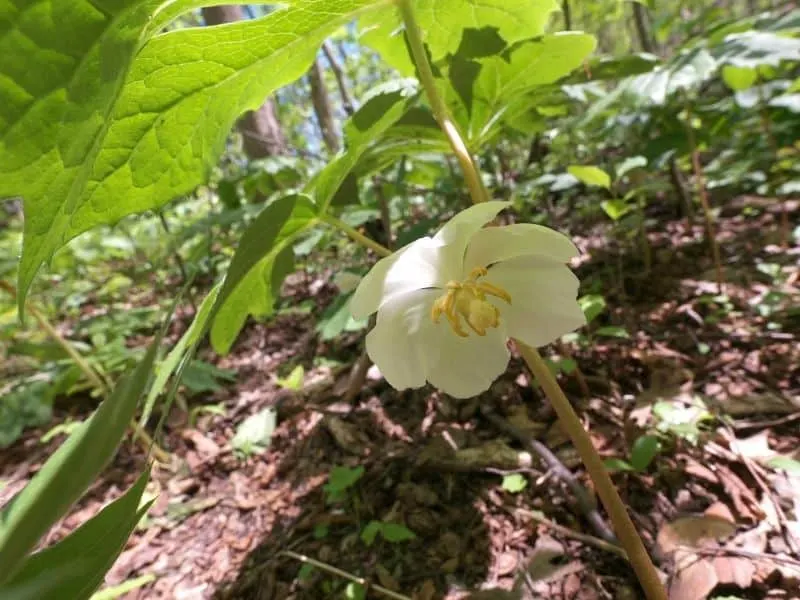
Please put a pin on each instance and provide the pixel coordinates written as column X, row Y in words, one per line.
column 467, row 299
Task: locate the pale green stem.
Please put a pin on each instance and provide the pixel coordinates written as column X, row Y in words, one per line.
column 441, row 113
column 355, row 234
column 626, row 531
column 623, row 526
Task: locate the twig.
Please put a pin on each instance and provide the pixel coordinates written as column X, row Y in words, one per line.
column 583, row 537
column 338, row 73
column 740, row 552
column 344, row 574
column 584, row 502
column 757, row 474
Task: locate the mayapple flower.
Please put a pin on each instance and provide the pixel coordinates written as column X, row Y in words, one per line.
column 448, row 304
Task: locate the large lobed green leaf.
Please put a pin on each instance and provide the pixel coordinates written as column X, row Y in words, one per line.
column 99, row 119
column 443, row 22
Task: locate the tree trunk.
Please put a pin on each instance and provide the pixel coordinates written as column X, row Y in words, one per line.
column 640, row 18
column 322, row 107
column 567, row 12
column 262, row 134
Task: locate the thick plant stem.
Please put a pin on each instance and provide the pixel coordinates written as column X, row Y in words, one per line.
column 623, row 526
column 356, row 235
column 472, row 176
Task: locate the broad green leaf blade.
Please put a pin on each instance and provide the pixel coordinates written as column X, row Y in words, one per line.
column 95, row 546
column 384, row 107
column 83, row 150
column 503, row 85
column 70, row 471
column 263, row 259
column 188, row 341
column 443, row 23
column 590, row 175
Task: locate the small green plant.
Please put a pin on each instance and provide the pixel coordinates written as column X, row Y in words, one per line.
column 340, row 480
column 391, row 532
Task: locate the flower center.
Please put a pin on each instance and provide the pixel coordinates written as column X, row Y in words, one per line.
column 467, row 299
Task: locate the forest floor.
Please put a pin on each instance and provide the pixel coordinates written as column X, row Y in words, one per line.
column 714, row 373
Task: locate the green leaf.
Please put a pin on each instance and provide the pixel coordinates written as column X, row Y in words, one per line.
column 261, row 262
column 386, row 104
column 785, row 463
column 394, row 532
column 70, row 471
column 84, row 149
column 592, row 305
column 343, row 478
column 370, row 532
column 337, row 319
column 501, row 91
column 590, row 175
column 181, row 351
column 644, row 450
column 443, row 23
column 612, row 331
column 617, row 464
column 95, row 546
column 254, row 434
column 739, row 78
column 616, row 208
column 118, row 591
column 295, row 379
column 514, row 483
column 631, row 163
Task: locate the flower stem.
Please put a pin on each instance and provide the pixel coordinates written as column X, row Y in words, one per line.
column 624, row 527
column 472, row 176
column 355, row 234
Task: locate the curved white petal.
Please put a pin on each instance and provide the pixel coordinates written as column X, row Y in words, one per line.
column 464, row 224
column 422, row 264
column 464, row 367
column 495, row 244
column 394, row 342
column 544, row 302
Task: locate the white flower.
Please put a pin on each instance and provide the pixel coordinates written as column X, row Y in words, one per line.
column 448, row 304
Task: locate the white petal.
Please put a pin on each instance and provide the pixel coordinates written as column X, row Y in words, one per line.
column 422, row 264
column 495, row 244
column 463, row 225
column 464, row 367
column 394, row 343
column 544, row 302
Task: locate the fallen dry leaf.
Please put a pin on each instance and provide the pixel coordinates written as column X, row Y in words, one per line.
column 694, row 579
column 694, row 532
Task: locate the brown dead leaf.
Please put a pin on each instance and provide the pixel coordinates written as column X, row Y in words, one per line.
column 744, row 501
column 426, row 592
column 694, row 532
column 755, row 447
column 694, row 579
column 720, row 511
column 734, row 570
column 346, row 435
column 204, row 446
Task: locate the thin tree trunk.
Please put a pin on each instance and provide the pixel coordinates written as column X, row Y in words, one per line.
column 567, row 12
column 640, row 18
column 262, row 134
column 322, row 107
